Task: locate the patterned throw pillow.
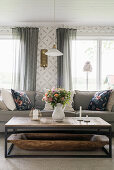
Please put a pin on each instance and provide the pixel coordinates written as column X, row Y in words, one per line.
column 21, row 100
column 99, row 101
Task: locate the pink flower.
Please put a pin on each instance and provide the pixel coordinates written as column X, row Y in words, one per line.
column 44, row 98
column 53, row 89
column 50, row 99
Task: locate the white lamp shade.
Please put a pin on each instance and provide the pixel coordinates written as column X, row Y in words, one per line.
column 53, row 52
column 87, row 67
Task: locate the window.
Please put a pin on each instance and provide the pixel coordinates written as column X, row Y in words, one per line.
column 107, row 64
column 6, row 63
column 100, row 54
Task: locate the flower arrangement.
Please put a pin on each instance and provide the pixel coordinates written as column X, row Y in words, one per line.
column 57, row 95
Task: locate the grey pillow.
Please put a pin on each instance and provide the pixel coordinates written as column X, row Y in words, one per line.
column 39, row 104
column 31, row 95
column 82, row 98
column 112, row 110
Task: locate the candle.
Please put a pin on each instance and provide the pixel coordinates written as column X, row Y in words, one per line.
column 80, row 111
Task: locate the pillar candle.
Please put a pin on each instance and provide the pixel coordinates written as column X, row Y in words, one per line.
column 80, row 111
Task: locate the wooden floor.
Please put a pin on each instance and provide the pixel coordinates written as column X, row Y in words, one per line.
column 53, row 164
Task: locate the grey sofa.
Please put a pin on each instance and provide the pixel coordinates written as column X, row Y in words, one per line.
column 81, row 98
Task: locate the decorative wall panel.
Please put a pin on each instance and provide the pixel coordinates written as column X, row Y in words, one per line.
column 46, row 78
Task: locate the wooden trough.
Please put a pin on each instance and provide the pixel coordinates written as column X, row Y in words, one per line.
column 58, row 141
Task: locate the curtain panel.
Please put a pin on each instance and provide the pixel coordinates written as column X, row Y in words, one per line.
column 64, row 44
column 25, row 58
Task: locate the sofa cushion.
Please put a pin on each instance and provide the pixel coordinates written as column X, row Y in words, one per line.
column 110, row 101
column 31, row 95
column 82, row 98
column 39, row 104
column 8, row 99
column 68, row 106
column 106, row 115
column 49, row 113
column 21, row 100
column 2, row 104
column 7, row 115
column 99, row 101
column 48, row 106
column 112, row 110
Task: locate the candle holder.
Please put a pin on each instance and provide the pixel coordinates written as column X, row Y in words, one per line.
column 80, row 119
column 36, row 115
column 86, row 119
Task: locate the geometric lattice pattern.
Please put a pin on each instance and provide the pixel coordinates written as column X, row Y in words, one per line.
column 46, row 78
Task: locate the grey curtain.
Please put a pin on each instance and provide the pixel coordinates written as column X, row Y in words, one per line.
column 65, row 38
column 25, row 58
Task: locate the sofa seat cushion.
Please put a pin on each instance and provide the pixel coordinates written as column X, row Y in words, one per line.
column 106, row 115
column 47, row 113
column 7, row 115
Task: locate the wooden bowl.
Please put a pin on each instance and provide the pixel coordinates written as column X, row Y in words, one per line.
column 58, row 141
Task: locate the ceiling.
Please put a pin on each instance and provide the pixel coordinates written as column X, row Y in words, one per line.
column 80, row 12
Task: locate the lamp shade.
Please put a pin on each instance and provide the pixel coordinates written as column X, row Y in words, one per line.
column 87, row 67
column 53, row 52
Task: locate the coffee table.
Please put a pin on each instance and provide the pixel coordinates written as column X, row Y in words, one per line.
column 17, row 125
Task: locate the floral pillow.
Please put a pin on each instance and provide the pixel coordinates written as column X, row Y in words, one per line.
column 21, row 100
column 99, row 101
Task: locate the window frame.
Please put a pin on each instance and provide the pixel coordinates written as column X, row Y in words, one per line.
column 5, row 37
column 99, row 40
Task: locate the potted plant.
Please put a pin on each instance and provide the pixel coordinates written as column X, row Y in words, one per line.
column 58, row 98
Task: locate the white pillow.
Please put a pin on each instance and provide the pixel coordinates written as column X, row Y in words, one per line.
column 68, row 106
column 48, row 106
column 8, row 99
column 2, row 105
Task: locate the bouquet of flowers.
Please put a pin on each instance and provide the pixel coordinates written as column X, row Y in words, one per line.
column 57, row 95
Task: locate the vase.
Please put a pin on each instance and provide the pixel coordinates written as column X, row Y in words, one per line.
column 58, row 113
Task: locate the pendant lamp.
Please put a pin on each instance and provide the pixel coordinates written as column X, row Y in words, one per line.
column 53, row 51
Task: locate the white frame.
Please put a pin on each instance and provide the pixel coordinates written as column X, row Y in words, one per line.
column 99, row 40
column 5, row 37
